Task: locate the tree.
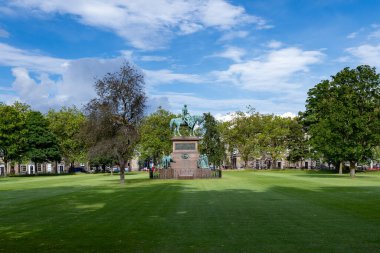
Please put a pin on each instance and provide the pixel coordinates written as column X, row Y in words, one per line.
column 13, row 132
column 243, row 133
column 155, row 135
column 343, row 115
column 115, row 115
column 298, row 148
column 66, row 124
column 42, row 144
column 211, row 143
column 273, row 138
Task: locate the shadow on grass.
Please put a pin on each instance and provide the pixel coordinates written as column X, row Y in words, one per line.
column 185, row 216
column 328, row 174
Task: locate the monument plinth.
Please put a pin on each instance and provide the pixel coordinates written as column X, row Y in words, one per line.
column 185, row 155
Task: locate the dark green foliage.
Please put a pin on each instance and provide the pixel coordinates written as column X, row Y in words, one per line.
column 274, row 136
column 114, row 116
column 42, row 144
column 298, row 148
column 258, row 136
column 66, row 124
column 343, row 115
column 242, row 133
column 13, row 131
column 156, row 135
column 211, row 143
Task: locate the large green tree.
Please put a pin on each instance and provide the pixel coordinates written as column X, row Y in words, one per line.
column 66, row 124
column 343, row 115
column 212, row 143
column 13, row 143
column 155, row 135
column 114, row 117
column 273, row 138
column 297, row 142
column 42, row 143
column 243, row 133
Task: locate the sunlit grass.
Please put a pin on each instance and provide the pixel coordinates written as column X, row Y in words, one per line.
column 245, row 211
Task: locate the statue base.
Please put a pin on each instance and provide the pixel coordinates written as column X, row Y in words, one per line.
column 185, row 156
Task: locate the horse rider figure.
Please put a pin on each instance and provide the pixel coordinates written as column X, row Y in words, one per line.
column 186, row 117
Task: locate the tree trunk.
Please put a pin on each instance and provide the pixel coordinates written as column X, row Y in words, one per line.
column 352, row 169
column 122, row 172
column 5, row 167
column 340, row 168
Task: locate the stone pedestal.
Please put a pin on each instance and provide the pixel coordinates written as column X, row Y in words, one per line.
column 185, row 156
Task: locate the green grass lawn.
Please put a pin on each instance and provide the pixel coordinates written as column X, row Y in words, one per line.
column 245, row 211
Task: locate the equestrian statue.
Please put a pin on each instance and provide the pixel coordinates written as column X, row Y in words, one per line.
column 186, row 120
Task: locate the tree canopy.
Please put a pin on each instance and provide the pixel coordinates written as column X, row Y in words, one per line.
column 212, row 144
column 66, row 125
column 155, row 135
column 115, row 115
column 13, row 138
column 42, row 144
column 343, row 115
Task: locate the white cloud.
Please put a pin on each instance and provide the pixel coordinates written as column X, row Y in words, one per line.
column 224, row 117
column 375, row 34
column 4, row 33
column 366, row 54
column 148, row 24
column 153, row 58
column 288, row 115
column 223, row 106
column 352, row 35
column 45, row 82
column 231, row 116
column 11, row 56
column 188, row 27
column 36, row 93
column 343, row 59
column 68, row 82
column 234, row 35
column 274, row 44
column 221, row 14
column 128, row 54
column 73, row 85
column 7, row 11
column 272, row 72
column 233, row 53
column 165, row 76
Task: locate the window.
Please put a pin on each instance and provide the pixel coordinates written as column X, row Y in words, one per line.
column 39, row 167
column 23, row 168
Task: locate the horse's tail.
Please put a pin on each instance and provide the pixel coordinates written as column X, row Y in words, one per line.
column 171, row 123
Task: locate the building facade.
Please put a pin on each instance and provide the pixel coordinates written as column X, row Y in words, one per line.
column 29, row 168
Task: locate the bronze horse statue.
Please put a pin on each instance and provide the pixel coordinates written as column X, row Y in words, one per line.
column 191, row 122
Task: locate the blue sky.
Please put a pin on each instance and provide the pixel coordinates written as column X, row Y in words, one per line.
column 216, row 56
